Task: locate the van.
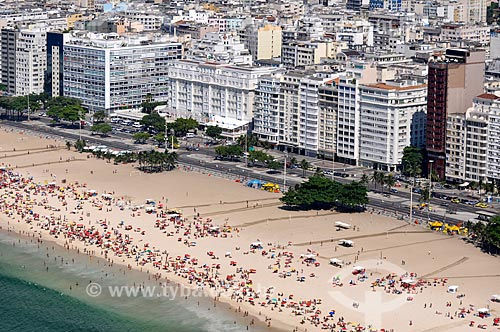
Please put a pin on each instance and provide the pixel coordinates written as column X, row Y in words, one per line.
column 190, row 135
column 137, row 125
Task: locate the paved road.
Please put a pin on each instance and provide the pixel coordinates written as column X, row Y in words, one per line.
column 122, row 142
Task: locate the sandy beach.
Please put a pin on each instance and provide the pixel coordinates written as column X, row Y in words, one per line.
column 200, row 233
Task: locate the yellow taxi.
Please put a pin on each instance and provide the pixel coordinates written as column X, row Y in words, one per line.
column 482, row 205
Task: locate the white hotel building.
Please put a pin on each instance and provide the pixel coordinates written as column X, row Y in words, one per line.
column 111, row 72
column 392, row 117
column 213, row 93
column 473, row 142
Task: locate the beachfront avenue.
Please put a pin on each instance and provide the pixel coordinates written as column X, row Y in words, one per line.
column 119, row 141
column 168, row 291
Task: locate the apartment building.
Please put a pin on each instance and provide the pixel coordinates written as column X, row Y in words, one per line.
column 263, row 42
column 111, row 72
column 463, row 32
column 358, row 34
column 208, row 90
column 327, row 122
column 9, row 42
column 297, row 53
column 309, row 114
column 473, row 142
column 454, row 79
column 150, row 20
column 54, row 74
column 23, row 60
column 392, row 117
column 296, row 111
column 472, row 11
column 268, row 109
column 493, row 155
column 348, row 113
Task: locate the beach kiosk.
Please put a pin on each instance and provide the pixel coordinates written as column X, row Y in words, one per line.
column 452, row 289
column 346, row 243
column 336, row 262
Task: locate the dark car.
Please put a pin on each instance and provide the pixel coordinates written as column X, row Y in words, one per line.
column 394, row 190
column 417, row 190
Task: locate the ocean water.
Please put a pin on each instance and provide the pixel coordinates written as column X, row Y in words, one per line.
column 42, row 288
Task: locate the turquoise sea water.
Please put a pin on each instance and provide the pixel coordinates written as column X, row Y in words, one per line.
column 35, row 281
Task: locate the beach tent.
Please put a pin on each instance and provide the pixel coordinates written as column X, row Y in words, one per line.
column 342, row 225
column 408, row 281
column 346, row 243
column 256, row 245
column 255, row 183
column 483, row 312
column 452, row 289
column 435, row 224
column 309, row 257
column 336, row 262
column 214, row 229
column 358, row 269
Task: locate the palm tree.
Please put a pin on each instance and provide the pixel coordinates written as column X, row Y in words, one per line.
column 171, row 160
column 389, row 180
column 424, row 195
column 377, row 178
column 364, row 179
column 79, row 145
column 141, row 158
column 304, row 164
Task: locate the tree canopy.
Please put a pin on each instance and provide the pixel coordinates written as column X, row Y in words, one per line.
column 486, row 235
column 101, row 128
column 213, row 132
column 319, row 192
column 99, row 116
column 259, row 156
column 412, row 161
column 153, row 122
column 230, row 152
column 182, row 126
column 141, row 137
column 65, row 108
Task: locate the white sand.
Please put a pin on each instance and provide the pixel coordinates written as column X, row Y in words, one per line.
column 384, row 242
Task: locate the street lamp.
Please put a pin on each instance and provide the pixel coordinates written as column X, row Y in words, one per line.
column 411, row 198
column 430, row 190
column 333, row 163
column 172, row 132
column 28, row 106
column 246, row 147
column 284, row 172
